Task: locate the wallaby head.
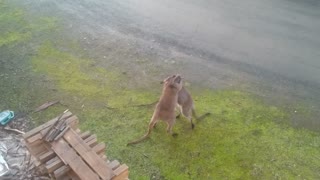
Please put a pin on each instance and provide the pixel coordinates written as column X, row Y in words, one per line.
column 173, row 82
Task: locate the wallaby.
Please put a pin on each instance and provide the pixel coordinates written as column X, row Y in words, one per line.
column 186, row 106
column 165, row 108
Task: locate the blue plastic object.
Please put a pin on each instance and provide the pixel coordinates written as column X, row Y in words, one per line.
column 6, row 116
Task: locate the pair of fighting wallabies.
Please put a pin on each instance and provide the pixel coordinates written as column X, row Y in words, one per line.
column 173, row 95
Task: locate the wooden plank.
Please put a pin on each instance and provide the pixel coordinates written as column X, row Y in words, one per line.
column 114, row 164
column 36, row 143
column 93, row 136
column 46, row 156
column 123, row 176
column 78, row 131
column 101, row 153
column 92, row 159
column 104, row 157
column 85, row 135
column 69, row 176
column 96, row 149
column 54, row 165
column 60, row 172
column 36, row 150
column 65, row 177
column 51, row 160
column 92, row 143
column 47, row 124
column 72, row 121
column 73, row 175
column 34, row 138
column 70, row 157
column 99, row 148
column 34, row 161
column 121, row 173
column 120, row 169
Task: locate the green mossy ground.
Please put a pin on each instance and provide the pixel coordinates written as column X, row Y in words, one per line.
column 242, row 139
column 20, row 89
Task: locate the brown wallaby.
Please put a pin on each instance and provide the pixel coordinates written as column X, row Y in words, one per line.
column 186, row 106
column 165, row 108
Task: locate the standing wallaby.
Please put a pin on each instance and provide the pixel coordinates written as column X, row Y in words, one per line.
column 165, row 108
column 186, row 106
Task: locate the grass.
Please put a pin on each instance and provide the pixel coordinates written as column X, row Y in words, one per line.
column 20, row 88
column 244, row 138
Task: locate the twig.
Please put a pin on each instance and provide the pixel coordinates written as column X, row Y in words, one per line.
column 62, row 133
column 14, row 130
column 57, row 130
column 45, row 106
column 48, row 133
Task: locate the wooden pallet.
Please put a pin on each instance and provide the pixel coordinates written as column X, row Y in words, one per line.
column 76, row 155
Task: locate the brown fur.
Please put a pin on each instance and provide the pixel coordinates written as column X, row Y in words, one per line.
column 186, row 106
column 165, row 108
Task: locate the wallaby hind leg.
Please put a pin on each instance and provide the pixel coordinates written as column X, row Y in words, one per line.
column 152, row 124
column 155, row 125
column 178, row 116
column 188, row 114
column 190, row 119
column 179, row 109
column 169, row 128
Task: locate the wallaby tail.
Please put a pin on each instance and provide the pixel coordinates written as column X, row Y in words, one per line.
column 151, row 125
column 138, row 140
column 201, row 117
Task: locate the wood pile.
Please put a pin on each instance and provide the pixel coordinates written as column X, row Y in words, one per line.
column 61, row 150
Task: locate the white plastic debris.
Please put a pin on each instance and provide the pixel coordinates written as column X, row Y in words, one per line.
column 4, row 168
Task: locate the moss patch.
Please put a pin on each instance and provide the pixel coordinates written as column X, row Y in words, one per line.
column 240, row 140
column 243, row 138
column 13, row 27
column 20, row 89
column 80, row 77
